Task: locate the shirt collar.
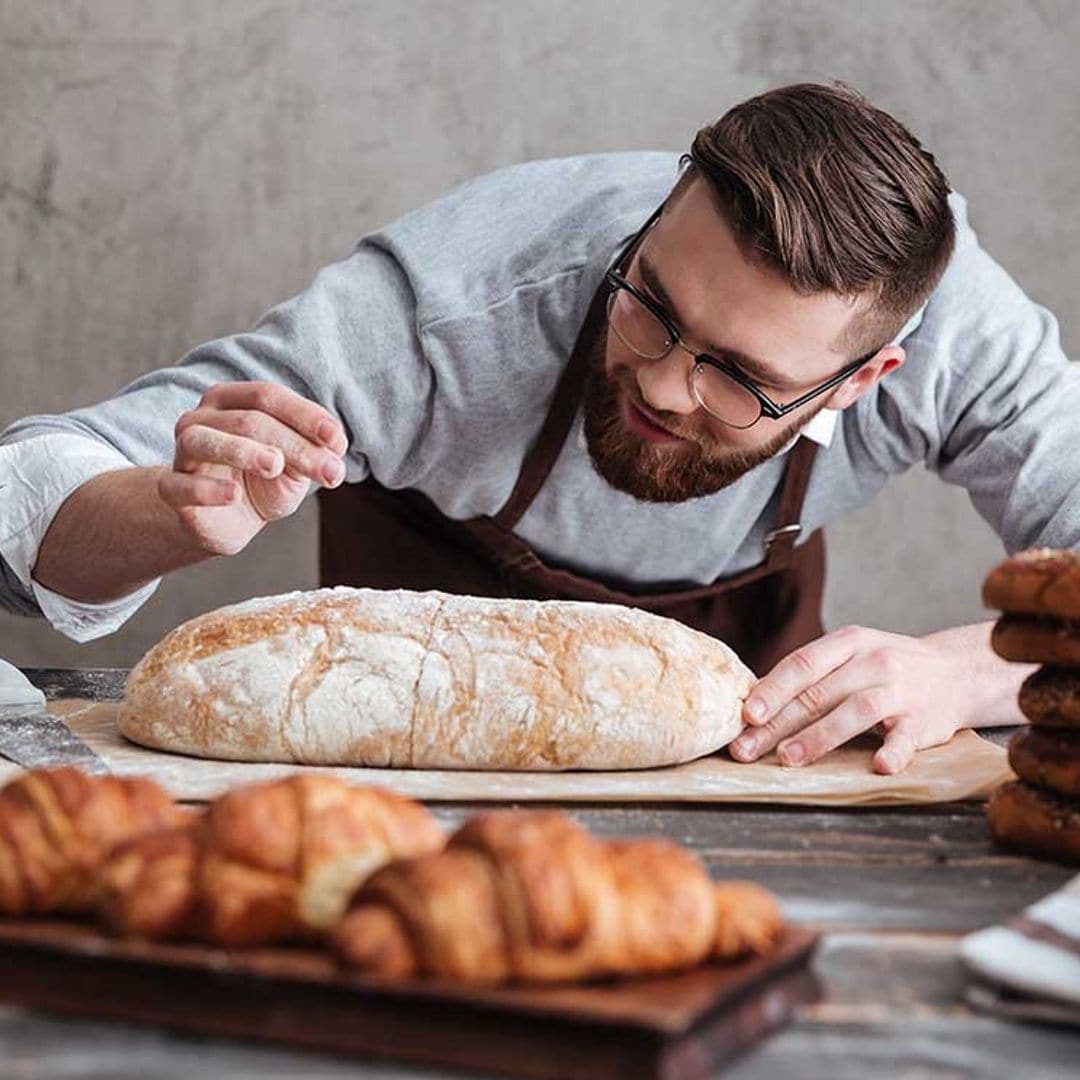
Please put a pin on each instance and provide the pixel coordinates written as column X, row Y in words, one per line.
column 819, row 429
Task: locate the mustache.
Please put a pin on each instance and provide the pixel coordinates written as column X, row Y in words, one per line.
column 625, row 381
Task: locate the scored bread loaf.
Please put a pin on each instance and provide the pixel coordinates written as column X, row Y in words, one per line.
column 349, row 676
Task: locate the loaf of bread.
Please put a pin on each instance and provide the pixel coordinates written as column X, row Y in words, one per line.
column 427, row 680
column 57, row 826
column 530, row 895
column 265, row 863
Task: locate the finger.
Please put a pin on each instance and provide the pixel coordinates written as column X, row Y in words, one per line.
column 306, row 417
column 184, row 489
column 858, row 713
column 201, row 445
column 904, row 730
column 755, row 742
column 898, row 749
column 800, row 669
column 879, row 667
column 301, row 459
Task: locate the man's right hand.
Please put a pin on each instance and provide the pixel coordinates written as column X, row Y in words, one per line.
column 246, row 455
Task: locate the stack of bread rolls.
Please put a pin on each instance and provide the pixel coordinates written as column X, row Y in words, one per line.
column 512, row 895
column 1039, row 593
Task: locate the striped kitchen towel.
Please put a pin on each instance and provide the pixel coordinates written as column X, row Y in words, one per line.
column 1030, row 967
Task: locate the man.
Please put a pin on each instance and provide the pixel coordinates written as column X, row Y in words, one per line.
column 606, row 378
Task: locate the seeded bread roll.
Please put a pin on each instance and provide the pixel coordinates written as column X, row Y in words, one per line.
column 1035, row 822
column 1051, row 698
column 1048, row 758
column 1037, row 639
column 428, row 680
column 1042, row 581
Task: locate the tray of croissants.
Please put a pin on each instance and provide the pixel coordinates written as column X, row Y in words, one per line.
column 344, row 919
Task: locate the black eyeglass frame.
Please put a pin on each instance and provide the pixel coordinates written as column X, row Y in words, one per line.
column 769, row 408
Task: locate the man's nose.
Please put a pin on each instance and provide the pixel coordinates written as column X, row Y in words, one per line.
column 665, row 384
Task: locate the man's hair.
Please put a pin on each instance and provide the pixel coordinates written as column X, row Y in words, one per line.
column 835, row 194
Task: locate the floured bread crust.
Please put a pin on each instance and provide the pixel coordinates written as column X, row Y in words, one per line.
column 349, row 676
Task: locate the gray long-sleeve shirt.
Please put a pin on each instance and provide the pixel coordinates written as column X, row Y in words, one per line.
column 438, row 342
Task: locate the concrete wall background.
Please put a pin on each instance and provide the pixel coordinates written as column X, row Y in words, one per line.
column 169, row 170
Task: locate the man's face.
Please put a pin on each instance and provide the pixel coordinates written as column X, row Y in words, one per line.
column 645, row 431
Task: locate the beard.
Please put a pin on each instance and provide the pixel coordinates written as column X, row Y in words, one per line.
column 661, row 472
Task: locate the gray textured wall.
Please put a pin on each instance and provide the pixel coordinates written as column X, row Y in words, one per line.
column 170, row 169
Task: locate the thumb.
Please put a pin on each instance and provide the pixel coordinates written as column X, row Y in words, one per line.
column 898, row 749
column 276, row 498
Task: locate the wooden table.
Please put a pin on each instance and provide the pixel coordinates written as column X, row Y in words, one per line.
column 892, row 890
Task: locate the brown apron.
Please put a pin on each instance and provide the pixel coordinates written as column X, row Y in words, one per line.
column 380, row 538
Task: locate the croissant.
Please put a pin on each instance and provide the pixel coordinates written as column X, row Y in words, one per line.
column 530, row 895
column 270, row 862
column 58, row 825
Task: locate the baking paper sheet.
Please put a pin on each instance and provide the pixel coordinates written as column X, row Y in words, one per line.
column 967, row 767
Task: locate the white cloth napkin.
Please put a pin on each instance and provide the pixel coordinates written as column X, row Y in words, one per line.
column 1030, row 967
column 16, row 688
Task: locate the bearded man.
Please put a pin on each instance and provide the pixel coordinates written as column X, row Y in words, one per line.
column 641, row 378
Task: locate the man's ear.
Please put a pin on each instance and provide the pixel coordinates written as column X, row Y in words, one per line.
column 851, row 389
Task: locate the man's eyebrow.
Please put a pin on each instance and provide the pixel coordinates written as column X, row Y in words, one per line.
column 749, row 365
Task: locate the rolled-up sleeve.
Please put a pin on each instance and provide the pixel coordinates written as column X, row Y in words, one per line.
column 36, row 476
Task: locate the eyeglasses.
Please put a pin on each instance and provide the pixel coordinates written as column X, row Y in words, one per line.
column 718, row 386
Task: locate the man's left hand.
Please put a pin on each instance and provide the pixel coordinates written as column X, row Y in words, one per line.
column 917, row 692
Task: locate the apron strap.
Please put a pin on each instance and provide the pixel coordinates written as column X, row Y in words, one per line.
column 544, row 452
column 780, row 541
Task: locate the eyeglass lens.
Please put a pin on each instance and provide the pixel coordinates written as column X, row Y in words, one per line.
column 644, row 334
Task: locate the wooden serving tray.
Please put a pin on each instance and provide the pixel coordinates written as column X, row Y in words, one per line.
column 681, row 1026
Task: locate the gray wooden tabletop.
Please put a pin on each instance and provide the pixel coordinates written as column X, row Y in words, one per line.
column 892, row 890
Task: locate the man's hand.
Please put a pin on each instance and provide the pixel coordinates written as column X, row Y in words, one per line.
column 917, row 692
column 245, row 456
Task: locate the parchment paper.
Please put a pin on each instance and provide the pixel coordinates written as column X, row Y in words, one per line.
column 967, row 767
